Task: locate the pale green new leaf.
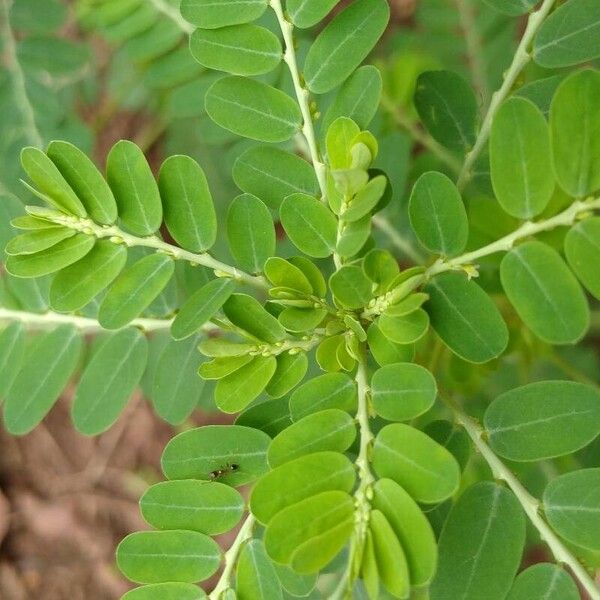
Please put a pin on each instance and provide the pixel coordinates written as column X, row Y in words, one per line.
column 210, row 14
column 256, row 577
column 37, row 240
column 282, row 273
column 405, row 329
column 247, row 313
column 544, row 581
column 351, row 288
column 386, row 352
column 291, row 369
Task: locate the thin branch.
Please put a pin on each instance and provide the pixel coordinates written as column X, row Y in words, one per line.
column 172, row 12
column 403, row 245
column 520, row 61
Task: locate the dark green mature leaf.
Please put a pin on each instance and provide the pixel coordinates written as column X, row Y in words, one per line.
column 134, row 187
column 426, row 470
column 569, row 36
column 448, row 108
column 44, row 373
column 165, row 556
column 521, row 159
column 465, row 317
column 351, row 288
column 271, row 174
column 332, row 390
column 544, row 581
column 572, row 507
column 12, row 351
column 344, row 44
column 187, row 203
column 53, row 259
column 78, row 284
column 301, row 478
column 109, row 380
column 574, row 126
column 134, row 290
column 210, row 14
column 403, row 391
column 306, row 13
column 37, row 240
column 166, row 591
column 201, row 307
column 204, row 452
column 239, row 49
column 512, row 8
column 210, row 508
column 250, row 232
column 253, row 109
column 582, row 248
column 177, row 389
column 480, row 546
column 310, row 225
column 85, row 180
column 543, row 420
column 437, row 214
column 50, row 182
column 271, row 416
column 545, row 293
column 452, row 437
column 256, row 577
column 247, row 313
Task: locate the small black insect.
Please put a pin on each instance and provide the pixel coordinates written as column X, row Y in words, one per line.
column 228, row 468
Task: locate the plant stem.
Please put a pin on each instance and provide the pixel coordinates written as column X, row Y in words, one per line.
column 18, row 79
column 396, row 239
column 85, row 324
column 520, row 61
column 231, row 557
column 530, row 505
column 170, row 11
column 117, row 235
column 303, row 97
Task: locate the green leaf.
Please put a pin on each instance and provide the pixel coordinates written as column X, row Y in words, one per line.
column 48, row 179
column 44, row 374
column 545, row 293
column 165, row 556
column 78, row 284
column 448, row 108
column 134, row 290
column 309, row 224
column 295, row 583
column 426, row 470
column 480, row 546
column 351, row 288
column 307, row 520
column 569, row 36
column 239, row 49
column 187, row 203
column 177, row 389
column 210, row 14
column 544, row 581
column 200, row 453
column 582, row 250
column 85, row 180
column 247, row 313
column 108, row 381
column 368, row 568
column 339, row 141
column 574, row 124
column 134, row 187
column 166, row 591
column 403, row 391
column 291, row 369
column 282, row 273
column 331, row 429
column 410, row 526
column 353, row 237
column 452, row 437
column 389, row 556
column 12, row 352
column 465, row 318
column 366, row 200
column 271, row 416
column 512, row 8
column 271, row 174
column 312, row 273
column 256, row 577
column 543, row 420
column 250, row 232
column 220, row 367
column 201, row 307
column 301, row 478
column 253, row 109
column 53, row 259
column 386, row 352
column 406, row 329
column 572, row 507
column 437, row 214
column 210, row 508
column 235, row 391
column 332, row 390
column 344, row 44
column 306, row 13
column 38, row 240
column 521, row 159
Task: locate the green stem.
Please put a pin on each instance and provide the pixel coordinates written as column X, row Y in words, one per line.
column 520, row 61
column 172, row 12
column 403, row 245
column 530, row 505
column 231, row 557
column 117, row 235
